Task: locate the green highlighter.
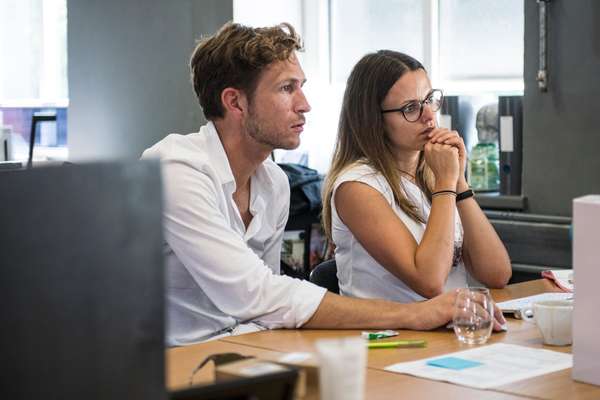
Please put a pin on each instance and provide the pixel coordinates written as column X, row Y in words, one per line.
column 397, row 344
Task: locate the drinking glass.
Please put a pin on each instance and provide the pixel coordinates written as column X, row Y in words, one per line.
column 342, row 368
column 473, row 316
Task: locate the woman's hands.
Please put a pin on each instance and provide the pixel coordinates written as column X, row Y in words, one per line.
column 446, row 155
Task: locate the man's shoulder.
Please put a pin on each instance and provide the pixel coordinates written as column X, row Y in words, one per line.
column 185, row 157
column 177, row 146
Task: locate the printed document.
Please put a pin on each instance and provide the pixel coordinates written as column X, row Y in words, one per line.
column 515, row 305
column 497, row 364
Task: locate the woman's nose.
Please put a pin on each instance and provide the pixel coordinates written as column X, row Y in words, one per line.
column 428, row 114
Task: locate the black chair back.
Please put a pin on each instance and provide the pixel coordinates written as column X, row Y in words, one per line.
column 325, row 275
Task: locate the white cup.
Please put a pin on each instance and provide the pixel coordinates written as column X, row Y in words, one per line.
column 554, row 320
column 342, row 368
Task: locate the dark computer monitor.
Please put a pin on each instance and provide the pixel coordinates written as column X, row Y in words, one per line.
column 82, row 282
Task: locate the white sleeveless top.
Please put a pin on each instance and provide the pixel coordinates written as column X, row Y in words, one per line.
column 358, row 273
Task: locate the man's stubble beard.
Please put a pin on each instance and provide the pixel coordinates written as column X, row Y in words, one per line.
column 265, row 135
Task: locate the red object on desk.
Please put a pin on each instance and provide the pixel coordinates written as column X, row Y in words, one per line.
column 562, row 284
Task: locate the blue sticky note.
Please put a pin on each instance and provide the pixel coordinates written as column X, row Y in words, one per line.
column 453, row 363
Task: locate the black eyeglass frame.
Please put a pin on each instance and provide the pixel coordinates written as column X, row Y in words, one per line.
column 421, row 105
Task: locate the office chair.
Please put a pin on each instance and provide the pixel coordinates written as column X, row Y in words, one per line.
column 325, row 275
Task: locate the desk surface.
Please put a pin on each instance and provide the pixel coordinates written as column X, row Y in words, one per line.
column 382, row 384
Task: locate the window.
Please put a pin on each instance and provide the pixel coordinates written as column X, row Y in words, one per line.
column 33, row 73
column 471, row 48
column 481, row 45
column 362, row 26
column 33, row 50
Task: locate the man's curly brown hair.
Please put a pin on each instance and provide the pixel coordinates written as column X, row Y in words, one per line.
column 234, row 57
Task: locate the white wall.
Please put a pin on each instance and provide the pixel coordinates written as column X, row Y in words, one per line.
column 129, row 82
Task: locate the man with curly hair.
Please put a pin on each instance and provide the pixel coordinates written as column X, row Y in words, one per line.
column 227, row 203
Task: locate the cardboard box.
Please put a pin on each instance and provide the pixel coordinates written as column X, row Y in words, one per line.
column 586, row 276
column 307, row 387
column 308, row 381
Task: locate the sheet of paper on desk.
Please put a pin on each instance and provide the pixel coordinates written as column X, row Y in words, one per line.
column 501, row 364
column 515, row 305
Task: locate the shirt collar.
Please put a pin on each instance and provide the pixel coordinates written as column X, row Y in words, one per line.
column 221, row 162
column 216, row 151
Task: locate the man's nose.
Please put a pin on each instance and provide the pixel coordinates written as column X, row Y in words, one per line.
column 302, row 105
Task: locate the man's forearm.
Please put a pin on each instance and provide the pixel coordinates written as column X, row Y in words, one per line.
column 338, row 312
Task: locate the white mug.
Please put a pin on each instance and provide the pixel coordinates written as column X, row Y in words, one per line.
column 554, row 320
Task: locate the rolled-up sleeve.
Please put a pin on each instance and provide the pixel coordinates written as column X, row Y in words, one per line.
column 237, row 281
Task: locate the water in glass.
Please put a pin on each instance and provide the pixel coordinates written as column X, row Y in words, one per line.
column 473, row 315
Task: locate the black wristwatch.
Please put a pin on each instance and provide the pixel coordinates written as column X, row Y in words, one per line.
column 464, row 195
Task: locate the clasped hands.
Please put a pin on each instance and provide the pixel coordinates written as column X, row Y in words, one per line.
column 446, row 155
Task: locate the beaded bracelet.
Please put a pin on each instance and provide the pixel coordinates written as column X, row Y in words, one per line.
column 451, row 192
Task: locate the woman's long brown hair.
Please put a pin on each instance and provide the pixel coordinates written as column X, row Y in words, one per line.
column 361, row 135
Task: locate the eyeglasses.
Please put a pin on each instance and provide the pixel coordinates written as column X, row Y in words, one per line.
column 413, row 110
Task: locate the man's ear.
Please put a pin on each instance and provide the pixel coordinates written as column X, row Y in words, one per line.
column 234, row 101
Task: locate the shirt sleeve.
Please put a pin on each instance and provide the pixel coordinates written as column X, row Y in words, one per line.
column 236, row 280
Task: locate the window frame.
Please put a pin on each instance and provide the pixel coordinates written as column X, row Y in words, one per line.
column 317, row 24
column 47, row 82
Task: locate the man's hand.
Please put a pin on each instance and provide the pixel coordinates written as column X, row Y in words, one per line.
column 438, row 312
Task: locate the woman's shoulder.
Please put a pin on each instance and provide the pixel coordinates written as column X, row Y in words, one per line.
column 363, row 172
column 358, row 171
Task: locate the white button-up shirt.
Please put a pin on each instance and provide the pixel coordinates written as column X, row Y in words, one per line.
column 220, row 274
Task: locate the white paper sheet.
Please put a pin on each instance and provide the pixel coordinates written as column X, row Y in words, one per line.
column 502, row 364
column 514, row 305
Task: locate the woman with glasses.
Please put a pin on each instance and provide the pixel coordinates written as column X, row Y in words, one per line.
column 396, row 203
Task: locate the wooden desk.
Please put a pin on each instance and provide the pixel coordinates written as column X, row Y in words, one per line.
column 382, row 384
